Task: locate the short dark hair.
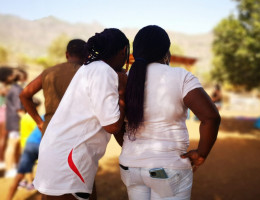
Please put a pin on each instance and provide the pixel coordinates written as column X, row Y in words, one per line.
column 5, row 72
column 151, row 44
column 106, row 44
column 76, row 48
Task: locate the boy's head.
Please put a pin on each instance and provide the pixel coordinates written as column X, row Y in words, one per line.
column 75, row 51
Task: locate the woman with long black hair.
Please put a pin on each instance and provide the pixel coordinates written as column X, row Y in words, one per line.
column 154, row 161
column 91, row 109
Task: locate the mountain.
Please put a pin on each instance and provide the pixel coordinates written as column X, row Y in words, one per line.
column 33, row 37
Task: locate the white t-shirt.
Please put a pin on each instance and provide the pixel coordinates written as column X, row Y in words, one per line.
column 74, row 140
column 163, row 135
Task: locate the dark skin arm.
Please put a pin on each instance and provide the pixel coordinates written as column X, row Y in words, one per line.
column 201, row 105
column 26, row 98
column 116, row 127
column 120, row 135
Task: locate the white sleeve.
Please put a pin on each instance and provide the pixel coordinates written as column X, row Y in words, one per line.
column 190, row 82
column 104, row 96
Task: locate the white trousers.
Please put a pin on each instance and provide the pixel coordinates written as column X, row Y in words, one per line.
column 141, row 186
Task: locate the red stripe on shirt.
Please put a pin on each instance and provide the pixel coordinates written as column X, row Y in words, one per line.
column 73, row 166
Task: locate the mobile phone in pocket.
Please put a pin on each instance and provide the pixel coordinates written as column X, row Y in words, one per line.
column 158, row 173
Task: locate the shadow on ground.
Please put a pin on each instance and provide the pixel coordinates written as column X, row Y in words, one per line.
column 108, row 182
column 242, row 125
column 231, row 172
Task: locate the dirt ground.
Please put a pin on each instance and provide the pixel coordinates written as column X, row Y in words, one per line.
column 231, row 172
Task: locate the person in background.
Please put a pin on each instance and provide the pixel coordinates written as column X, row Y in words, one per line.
column 91, row 108
column 13, row 109
column 6, row 76
column 27, row 125
column 154, row 162
column 28, row 159
column 54, row 82
column 217, row 96
column 3, row 132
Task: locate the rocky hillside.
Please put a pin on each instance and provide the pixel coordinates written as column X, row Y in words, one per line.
column 33, row 37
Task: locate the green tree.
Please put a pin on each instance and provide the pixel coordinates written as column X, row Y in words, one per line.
column 57, row 49
column 56, row 52
column 43, row 61
column 236, row 46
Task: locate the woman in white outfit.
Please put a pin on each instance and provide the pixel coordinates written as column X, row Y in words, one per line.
column 154, row 161
column 91, row 109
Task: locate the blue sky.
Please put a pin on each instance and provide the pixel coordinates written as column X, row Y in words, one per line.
column 186, row 16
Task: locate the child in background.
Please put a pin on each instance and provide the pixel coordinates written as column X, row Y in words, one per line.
column 27, row 125
column 13, row 108
column 28, row 158
column 3, row 132
column 6, row 77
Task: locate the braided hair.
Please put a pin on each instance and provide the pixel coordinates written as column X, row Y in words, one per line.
column 151, row 44
column 105, row 45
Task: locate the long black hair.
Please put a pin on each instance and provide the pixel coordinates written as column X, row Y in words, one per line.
column 151, row 44
column 106, row 44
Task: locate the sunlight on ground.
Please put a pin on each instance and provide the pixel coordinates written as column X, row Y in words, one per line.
column 236, row 125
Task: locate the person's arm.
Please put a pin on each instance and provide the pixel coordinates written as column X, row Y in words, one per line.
column 26, row 99
column 116, row 127
column 201, row 105
column 120, row 135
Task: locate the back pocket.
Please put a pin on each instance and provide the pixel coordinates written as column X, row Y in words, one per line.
column 125, row 175
column 166, row 187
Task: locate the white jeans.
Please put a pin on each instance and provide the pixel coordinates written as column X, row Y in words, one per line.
column 140, row 186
